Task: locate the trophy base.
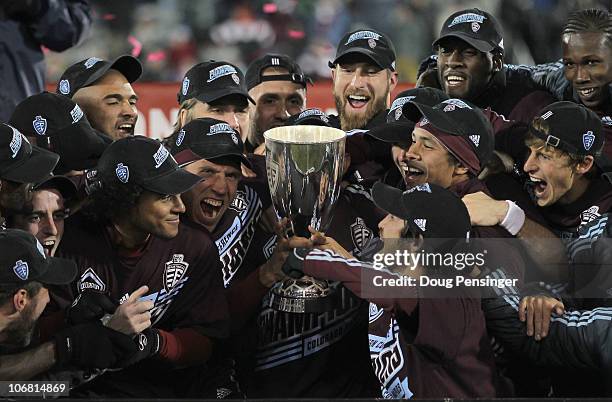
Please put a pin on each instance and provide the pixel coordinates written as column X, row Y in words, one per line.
column 303, row 295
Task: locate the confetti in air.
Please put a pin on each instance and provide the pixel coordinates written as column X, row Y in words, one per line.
column 156, row 56
column 294, row 34
column 136, row 46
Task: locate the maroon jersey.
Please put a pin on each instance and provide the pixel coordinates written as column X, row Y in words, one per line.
column 426, row 348
column 242, row 244
column 321, row 355
column 183, row 276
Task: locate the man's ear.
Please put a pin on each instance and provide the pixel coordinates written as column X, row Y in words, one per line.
column 586, row 165
column 333, row 73
column 20, row 300
column 393, row 79
column 460, row 170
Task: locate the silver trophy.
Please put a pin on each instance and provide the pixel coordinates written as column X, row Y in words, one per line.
column 304, row 166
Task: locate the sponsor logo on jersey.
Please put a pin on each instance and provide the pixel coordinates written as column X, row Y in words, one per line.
column 388, row 361
column 360, row 234
column 40, row 125
column 468, row 17
column 21, row 269
column 174, row 271
column 90, row 281
column 362, row 35
column 221, row 71
column 224, row 241
column 64, row 87
column 240, row 202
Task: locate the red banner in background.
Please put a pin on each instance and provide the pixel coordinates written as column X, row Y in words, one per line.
column 158, row 107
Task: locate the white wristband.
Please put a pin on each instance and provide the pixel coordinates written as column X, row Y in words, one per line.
column 514, row 219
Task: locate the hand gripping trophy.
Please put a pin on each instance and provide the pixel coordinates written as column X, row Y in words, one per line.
column 304, row 166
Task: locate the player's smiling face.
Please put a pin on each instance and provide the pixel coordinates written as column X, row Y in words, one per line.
column 208, row 200
column 361, row 90
column 157, row 214
column 424, row 160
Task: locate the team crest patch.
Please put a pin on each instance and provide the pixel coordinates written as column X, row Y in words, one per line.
column 122, row 172
column 91, row 280
column 240, row 202
column 423, row 122
column 475, row 27
column 607, row 120
column 372, row 43
column 475, row 138
column 588, row 139
column 421, row 223
column 174, row 271
column 360, row 234
column 457, row 103
column 449, row 108
column 40, row 125
column 64, row 87
column 374, row 312
column 21, row 269
column 185, row 86
column 236, row 79
column 15, row 143
column 180, row 137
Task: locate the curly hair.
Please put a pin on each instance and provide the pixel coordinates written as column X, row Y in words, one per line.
column 112, row 200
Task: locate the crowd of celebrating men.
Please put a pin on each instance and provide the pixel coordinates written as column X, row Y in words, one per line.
column 132, row 267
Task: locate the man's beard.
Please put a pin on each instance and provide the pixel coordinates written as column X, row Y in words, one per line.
column 355, row 121
column 18, row 334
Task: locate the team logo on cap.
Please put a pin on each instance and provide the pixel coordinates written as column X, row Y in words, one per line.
column 423, row 122
column 469, row 17
column 475, row 27
column 235, row 138
column 588, row 139
column 421, row 187
column 174, row 271
column 15, row 143
column 236, row 79
column 76, row 113
column 398, row 113
column 122, row 172
column 607, row 120
column 89, row 63
column 475, row 138
column 372, row 43
column 546, row 115
column 421, row 223
column 22, row 270
column 180, row 137
column 160, row 156
column 313, row 112
column 363, row 35
column 220, row 128
column 455, row 103
column 40, row 125
column 401, row 101
column 221, row 71
column 64, row 87
column 185, row 87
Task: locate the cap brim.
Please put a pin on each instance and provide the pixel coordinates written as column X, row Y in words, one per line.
column 370, row 54
column 310, row 121
column 60, row 271
column 174, row 182
column 389, row 199
column 205, row 151
column 35, row 169
column 210, row 96
column 394, row 132
column 478, row 44
column 64, row 185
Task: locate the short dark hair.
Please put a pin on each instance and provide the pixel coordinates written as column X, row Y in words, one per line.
column 7, row 290
column 590, row 20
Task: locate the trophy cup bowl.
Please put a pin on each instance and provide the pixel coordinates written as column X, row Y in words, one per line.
column 304, row 166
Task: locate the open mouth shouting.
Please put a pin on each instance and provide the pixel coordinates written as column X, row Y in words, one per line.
column 357, row 102
column 211, row 208
column 414, row 173
column 48, row 246
column 125, row 129
column 538, row 186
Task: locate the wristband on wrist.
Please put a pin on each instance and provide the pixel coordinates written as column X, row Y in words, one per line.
column 514, row 219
